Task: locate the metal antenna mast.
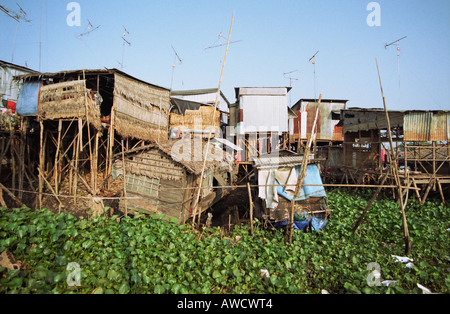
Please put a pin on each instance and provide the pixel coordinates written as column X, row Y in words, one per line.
column 398, row 65
column 291, row 80
column 174, row 65
column 125, row 41
column 313, row 61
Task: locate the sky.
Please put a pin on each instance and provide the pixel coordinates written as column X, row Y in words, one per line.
column 270, row 38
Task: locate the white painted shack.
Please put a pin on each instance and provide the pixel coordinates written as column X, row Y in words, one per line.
column 261, row 109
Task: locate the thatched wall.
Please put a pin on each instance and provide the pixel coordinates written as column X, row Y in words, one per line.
column 142, row 110
column 204, row 119
column 68, row 100
column 154, row 163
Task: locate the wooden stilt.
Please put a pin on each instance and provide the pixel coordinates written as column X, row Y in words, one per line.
column 13, row 160
column 251, row 207
column 57, row 154
column 78, row 146
column 41, row 163
column 23, row 141
column 440, row 190
column 124, row 180
column 109, row 156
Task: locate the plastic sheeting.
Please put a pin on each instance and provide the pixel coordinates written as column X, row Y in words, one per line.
column 312, row 177
column 317, row 223
column 28, row 99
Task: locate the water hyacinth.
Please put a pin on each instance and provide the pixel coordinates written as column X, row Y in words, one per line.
column 148, row 254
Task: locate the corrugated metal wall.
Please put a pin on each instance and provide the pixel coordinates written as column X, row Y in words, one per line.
column 426, row 126
column 326, row 126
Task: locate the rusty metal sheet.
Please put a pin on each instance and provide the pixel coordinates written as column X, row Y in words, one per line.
column 426, row 126
column 325, row 126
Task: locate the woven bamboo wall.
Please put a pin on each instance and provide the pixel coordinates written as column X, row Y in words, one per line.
column 142, row 110
column 67, row 100
column 154, row 163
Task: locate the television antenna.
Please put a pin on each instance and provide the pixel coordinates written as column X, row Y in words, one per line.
column 396, row 42
column 288, row 75
column 18, row 17
column 291, row 79
column 91, row 28
column 176, row 57
column 125, row 42
column 221, row 41
column 313, row 61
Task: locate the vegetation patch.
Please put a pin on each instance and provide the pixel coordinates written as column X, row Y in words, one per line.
column 148, row 254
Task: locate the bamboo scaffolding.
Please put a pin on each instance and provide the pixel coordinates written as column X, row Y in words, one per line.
column 394, row 168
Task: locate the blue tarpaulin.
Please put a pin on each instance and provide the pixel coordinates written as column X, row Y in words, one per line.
column 317, row 223
column 312, row 177
column 28, row 99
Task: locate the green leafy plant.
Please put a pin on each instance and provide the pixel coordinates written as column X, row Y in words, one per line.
column 149, row 254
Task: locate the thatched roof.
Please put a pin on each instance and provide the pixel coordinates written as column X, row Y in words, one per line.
column 188, row 154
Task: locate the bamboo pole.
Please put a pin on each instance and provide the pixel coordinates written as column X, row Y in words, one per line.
column 19, row 202
column 109, row 152
column 13, row 160
column 302, row 174
column 41, row 162
column 78, row 146
column 95, row 163
column 251, row 207
column 374, row 197
column 57, row 158
column 23, row 141
column 395, row 170
column 210, row 132
column 124, row 179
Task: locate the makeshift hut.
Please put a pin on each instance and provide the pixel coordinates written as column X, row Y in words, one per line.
column 81, row 116
column 164, row 178
column 260, row 119
column 277, row 177
column 420, row 141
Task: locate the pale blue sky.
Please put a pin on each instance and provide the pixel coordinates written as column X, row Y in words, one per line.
column 276, row 37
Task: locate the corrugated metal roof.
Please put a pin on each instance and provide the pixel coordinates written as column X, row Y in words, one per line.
column 276, row 162
column 418, row 125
